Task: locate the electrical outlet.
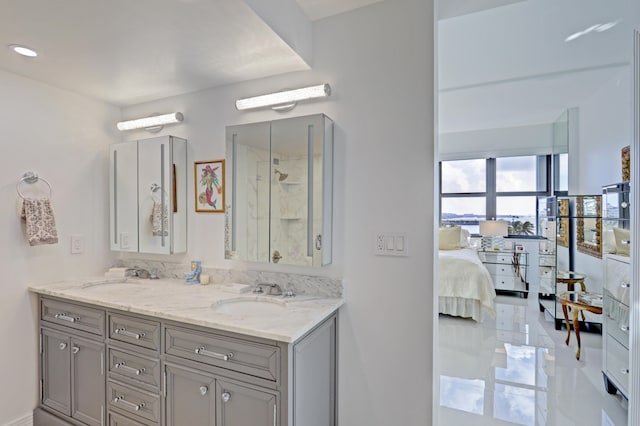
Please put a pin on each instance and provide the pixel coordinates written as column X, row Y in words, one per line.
column 379, row 243
column 124, row 240
column 77, row 244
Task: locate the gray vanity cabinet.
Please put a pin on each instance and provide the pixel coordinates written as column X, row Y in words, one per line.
column 167, row 373
column 73, row 376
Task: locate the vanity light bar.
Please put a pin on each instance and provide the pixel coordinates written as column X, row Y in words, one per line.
column 285, row 97
column 154, row 121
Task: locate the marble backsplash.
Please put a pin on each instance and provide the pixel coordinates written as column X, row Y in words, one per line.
column 308, row 285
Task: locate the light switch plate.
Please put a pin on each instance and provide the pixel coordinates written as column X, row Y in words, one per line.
column 391, row 244
column 77, row 244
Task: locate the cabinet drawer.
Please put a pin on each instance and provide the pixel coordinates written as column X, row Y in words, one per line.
column 546, row 260
column 496, row 269
column 616, row 319
column 501, row 282
column 73, row 316
column 118, row 420
column 617, row 363
column 127, row 366
column 133, row 401
column 243, row 356
column 495, row 257
column 618, row 279
column 136, row 331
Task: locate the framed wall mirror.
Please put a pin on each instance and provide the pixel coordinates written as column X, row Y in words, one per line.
column 589, row 225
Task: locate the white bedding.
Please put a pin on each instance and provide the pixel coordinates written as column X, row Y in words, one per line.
column 466, row 283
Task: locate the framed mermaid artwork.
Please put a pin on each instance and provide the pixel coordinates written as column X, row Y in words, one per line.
column 209, row 183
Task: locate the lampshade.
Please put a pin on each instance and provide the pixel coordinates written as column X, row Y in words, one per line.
column 155, row 121
column 285, row 97
column 494, row 228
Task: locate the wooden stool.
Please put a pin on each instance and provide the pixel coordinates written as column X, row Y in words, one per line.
column 571, row 278
column 576, row 306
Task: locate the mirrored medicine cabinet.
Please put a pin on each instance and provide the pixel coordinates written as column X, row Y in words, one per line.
column 148, row 195
column 279, row 179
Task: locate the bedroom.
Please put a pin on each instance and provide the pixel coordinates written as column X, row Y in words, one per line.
column 496, row 131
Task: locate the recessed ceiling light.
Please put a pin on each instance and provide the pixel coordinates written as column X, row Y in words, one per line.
column 23, row 50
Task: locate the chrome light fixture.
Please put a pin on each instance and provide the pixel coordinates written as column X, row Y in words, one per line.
column 285, row 100
column 153, row 124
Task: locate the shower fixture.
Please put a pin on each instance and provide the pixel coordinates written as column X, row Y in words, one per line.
column 282, row 176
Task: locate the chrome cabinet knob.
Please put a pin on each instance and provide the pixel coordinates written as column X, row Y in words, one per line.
column 75, row 349
column 62, row 346
column 203, row 390
column 226, row 396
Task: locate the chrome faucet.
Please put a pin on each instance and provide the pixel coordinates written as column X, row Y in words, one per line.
column 272, row 289
column 138, row 272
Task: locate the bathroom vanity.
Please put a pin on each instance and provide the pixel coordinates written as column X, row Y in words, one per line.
column 134, row 352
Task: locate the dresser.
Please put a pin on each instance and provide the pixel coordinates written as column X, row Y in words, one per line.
column 617, row 288
column 508, row 270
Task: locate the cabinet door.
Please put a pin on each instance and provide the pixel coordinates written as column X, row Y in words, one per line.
column 155, row 212
column 190, row 397
column 240, row 404
column 123, row 197
column 88, row 381
column 56, row 374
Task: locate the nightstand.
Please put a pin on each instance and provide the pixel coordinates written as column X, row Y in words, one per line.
column 508, row 270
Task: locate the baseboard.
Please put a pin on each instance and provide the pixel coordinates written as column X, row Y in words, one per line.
column 22, row 421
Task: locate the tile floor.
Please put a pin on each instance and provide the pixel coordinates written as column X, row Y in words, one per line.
column 517, row 370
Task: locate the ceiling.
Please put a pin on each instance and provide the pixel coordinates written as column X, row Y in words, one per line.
column 126, row 52
column 509, row 64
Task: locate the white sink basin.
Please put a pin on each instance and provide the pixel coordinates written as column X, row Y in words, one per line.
column 113, row 284
column 250, row 307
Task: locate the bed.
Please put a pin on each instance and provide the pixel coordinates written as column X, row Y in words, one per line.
column 465, row 287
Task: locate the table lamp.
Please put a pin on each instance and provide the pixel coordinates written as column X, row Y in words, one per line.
column 493, row 233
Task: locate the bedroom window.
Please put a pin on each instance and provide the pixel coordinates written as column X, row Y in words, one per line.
column 505, row 188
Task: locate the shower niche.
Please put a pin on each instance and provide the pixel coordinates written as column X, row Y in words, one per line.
column 280, row 191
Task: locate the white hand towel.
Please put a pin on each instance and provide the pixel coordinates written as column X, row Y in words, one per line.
column 40, row 221
column 156, row 220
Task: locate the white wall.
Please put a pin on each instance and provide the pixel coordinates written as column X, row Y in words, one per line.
column 379, row 62
column 504, row 142
column 63, row 137
column 604, row 121
column 604, row 129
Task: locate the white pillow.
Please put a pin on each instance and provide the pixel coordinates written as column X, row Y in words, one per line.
column 449, row 238
column 465, row 238
column 623, row 241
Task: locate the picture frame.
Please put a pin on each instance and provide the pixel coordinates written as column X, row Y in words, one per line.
column 209, row 186
column 625, row 155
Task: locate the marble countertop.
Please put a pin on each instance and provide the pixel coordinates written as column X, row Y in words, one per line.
column 192, row 304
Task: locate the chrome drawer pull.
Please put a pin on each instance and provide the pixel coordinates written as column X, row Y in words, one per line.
column 62, row 346
column 121, row 400
column 126, row 333
column 226, row 396
column 75, row 349
column 625, row 285
column 203, row 390
column 64, row 317
column 202, row 351
column 624, row 327
column 624, row 371
column 124, row 367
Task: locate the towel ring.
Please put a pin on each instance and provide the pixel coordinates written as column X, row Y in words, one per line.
column 31, row 178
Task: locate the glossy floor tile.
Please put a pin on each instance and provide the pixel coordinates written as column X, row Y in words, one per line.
column 516, row 370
